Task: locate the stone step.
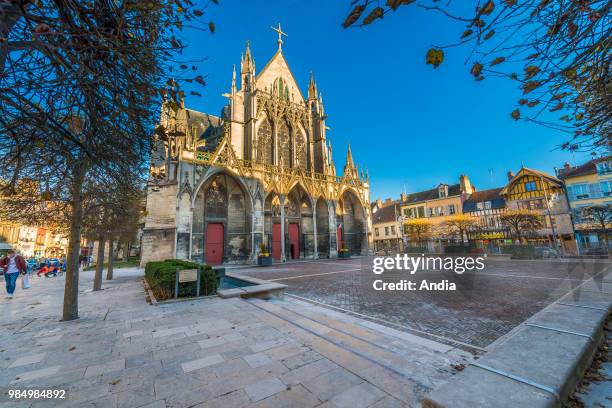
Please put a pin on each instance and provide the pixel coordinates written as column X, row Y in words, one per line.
column 412, row 360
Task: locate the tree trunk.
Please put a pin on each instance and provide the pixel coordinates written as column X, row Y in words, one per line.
column 71, row 288
column 111, row 253
column 126, row 250
column 99, row 264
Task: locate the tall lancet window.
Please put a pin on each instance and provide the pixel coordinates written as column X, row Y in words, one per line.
column 284, row 144
column 265, row 143
column 301, row 155
column 281, row 89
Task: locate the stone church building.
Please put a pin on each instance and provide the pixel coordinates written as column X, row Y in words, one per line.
column 260, row 173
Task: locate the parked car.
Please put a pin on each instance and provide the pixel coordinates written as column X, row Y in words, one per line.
column 546, row 252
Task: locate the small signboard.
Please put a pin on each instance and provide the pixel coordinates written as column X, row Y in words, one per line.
column 188, row 275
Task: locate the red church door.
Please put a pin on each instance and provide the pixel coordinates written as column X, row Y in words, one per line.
column 276, row 241
column 214, row 244
column 339, row 237
column 294, row 240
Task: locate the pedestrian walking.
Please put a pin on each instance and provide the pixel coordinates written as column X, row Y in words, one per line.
column 13, row 265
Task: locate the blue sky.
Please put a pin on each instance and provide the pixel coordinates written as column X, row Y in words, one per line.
column 410, row 124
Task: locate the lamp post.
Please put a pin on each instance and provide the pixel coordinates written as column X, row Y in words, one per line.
column 400, row 221
column 552, row 225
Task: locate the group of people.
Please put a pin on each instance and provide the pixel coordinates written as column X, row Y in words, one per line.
column 14, row 265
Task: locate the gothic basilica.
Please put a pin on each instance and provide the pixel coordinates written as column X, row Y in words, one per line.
column 258, row 177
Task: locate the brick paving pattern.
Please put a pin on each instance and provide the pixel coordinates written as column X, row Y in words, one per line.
column 485, row 306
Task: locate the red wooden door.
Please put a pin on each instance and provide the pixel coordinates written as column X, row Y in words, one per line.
column 294, row 240
column 276, row 241
column 339, row 237
column 214, row 244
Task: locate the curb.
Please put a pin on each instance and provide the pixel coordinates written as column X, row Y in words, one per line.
column 542, row 362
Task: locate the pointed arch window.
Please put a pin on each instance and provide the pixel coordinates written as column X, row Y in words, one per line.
column 281, row 89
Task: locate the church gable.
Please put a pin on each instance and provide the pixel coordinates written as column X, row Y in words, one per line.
column 277, row 76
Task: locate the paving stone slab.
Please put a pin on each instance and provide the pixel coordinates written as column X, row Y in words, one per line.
column 264, row 388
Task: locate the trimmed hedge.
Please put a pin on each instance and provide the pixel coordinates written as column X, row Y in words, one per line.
column 458, row 249
column 161, row 276
column 519, row 251
column 415, row 250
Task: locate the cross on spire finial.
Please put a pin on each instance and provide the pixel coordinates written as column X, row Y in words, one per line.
column 280, row 35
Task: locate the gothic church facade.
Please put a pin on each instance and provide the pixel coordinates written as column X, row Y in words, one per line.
column 258, row 177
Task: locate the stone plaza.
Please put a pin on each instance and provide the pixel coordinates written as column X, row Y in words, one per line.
column 328, row 343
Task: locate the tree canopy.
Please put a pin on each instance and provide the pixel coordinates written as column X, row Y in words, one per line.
column 557, row 53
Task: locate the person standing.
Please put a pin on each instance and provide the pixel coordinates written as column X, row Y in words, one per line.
column 13, row 265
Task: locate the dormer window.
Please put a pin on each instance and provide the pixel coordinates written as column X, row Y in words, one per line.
column 604, row 167
column 443, row 191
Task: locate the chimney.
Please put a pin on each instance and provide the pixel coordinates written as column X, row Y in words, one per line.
column 379, row 203
column 510, row 175
column 567, row 166
column 388, row 201
column 466, row 186
column 404, row 197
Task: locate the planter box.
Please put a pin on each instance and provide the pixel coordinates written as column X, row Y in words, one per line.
column 264, row 260
column 344, row 255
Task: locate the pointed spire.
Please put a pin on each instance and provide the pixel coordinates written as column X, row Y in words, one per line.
column 247, row 64
column 234, row 79
column 312, row 87
column 321, row 110
column 349, row 157
column 350, row 168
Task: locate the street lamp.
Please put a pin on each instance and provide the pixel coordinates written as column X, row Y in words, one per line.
column 401, row 220
column 550, row 218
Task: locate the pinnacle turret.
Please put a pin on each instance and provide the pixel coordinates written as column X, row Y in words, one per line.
column 312, row 87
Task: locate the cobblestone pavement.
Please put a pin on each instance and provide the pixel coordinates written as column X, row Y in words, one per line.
column 122, row 352
column 486, row 305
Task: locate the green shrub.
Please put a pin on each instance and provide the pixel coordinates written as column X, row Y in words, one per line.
column 161, row 276
column 519, row 251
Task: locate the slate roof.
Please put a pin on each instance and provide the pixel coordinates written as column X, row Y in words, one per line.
column 583, row 169
column 208, row 127
column 493, row 195
column 388, row 213
column 453, row 190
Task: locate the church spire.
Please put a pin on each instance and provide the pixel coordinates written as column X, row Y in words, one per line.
column 247, row 64
column 312, row 87
column 349, row 167
column 349, row 157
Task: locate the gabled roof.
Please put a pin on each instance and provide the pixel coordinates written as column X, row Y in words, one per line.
column 388, row 213
column 492, row 195
column 524, row 171
column 279, row 60
column 453, row 190
column 584, row 169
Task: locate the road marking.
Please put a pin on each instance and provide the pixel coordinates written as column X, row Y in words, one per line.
column 314, row 274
